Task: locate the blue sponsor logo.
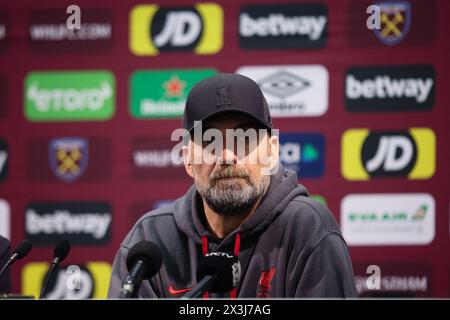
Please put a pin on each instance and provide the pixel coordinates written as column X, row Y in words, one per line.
column 304, row 153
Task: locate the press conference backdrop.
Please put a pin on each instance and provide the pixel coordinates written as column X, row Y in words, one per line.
column 86, row 117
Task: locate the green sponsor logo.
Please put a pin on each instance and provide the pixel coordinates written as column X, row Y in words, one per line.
column 392, row 216
column 69, row 96
column 162, row 94
column 319, row 198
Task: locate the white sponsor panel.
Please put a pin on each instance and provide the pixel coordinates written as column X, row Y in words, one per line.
column 5, row 222
column 292, row 90
column 388, row 219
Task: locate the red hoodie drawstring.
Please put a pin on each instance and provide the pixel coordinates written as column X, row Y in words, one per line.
column 237, row 248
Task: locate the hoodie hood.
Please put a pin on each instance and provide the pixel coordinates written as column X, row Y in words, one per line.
column 190, row 218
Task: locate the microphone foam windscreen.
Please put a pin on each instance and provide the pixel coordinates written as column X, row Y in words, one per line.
column 225, row 266
column 61, row 250
column 23, row 248
column 150, row 253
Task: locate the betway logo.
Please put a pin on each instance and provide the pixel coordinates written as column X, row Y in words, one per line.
column 277, row 24
column 70, row 99
column 64, row 222
column 153, row 158
column 384, row 86
column 60, row 32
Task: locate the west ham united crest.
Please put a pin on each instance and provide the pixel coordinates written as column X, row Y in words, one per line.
column 68, row 157
column 395, row 21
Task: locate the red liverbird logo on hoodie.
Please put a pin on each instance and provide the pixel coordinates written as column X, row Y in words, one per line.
column 264, row 283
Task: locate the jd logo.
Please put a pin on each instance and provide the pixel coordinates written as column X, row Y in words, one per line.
column 74, row 282
column 410, row 154
column 176, row 29
column 154, row 29
column 393, row 154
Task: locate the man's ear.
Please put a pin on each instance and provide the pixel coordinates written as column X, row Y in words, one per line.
column 274, row 152
column 187, row 159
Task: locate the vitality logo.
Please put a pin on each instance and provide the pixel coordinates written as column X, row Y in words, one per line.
column 410, row 154
column 155, row 29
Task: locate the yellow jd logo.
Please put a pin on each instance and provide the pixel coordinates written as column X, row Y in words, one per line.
column 410, row 154
column 154, row 29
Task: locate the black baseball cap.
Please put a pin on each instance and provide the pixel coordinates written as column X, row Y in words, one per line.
column 226, row 93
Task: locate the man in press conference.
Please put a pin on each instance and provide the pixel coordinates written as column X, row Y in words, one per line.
column 288, row 244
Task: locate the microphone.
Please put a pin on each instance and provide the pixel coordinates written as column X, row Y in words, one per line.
column 59, row 254
column 218, row 271
column 22, row 249
column 143, row 261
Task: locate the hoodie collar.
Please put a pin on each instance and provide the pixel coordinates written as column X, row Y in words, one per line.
column 190, row 218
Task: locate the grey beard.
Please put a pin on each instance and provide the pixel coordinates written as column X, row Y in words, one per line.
column 233, row 199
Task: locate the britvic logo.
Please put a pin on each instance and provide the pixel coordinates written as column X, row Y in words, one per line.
column 283, row 26
column 162, row 94
column 388, row 219
column 390, row 88
column 303, row 153
column 74, row 95
column 292, row 90
column 410, row 154
column 154, row 29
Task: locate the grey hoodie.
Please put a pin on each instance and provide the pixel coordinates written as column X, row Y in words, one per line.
column 290, row 247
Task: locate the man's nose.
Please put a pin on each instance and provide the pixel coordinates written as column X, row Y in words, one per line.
column 228, row 156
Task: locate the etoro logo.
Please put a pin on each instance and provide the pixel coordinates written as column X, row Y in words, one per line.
column 410, row 154
column 74, row 95
column 292, row 90
column 283, row 26
column 91, row 279
column 155, row 29
column 81, row 223
column 388, row 219
column 396, row 88
column 162, row 94
column 304, row 153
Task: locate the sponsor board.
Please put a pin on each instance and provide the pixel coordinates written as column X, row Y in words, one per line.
column 69, row 95
column 373, row 154
column 81, row 223
column 155, row 29
column 283, row 26
column 69, row 159
column 48, row 32
column 4, row 160
column 388, row 219
column 303, row 153
column 5, row 219
column 74, row 282
column 162, row 94
column 292, row 90
column 395, row 88
column 409, row 279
